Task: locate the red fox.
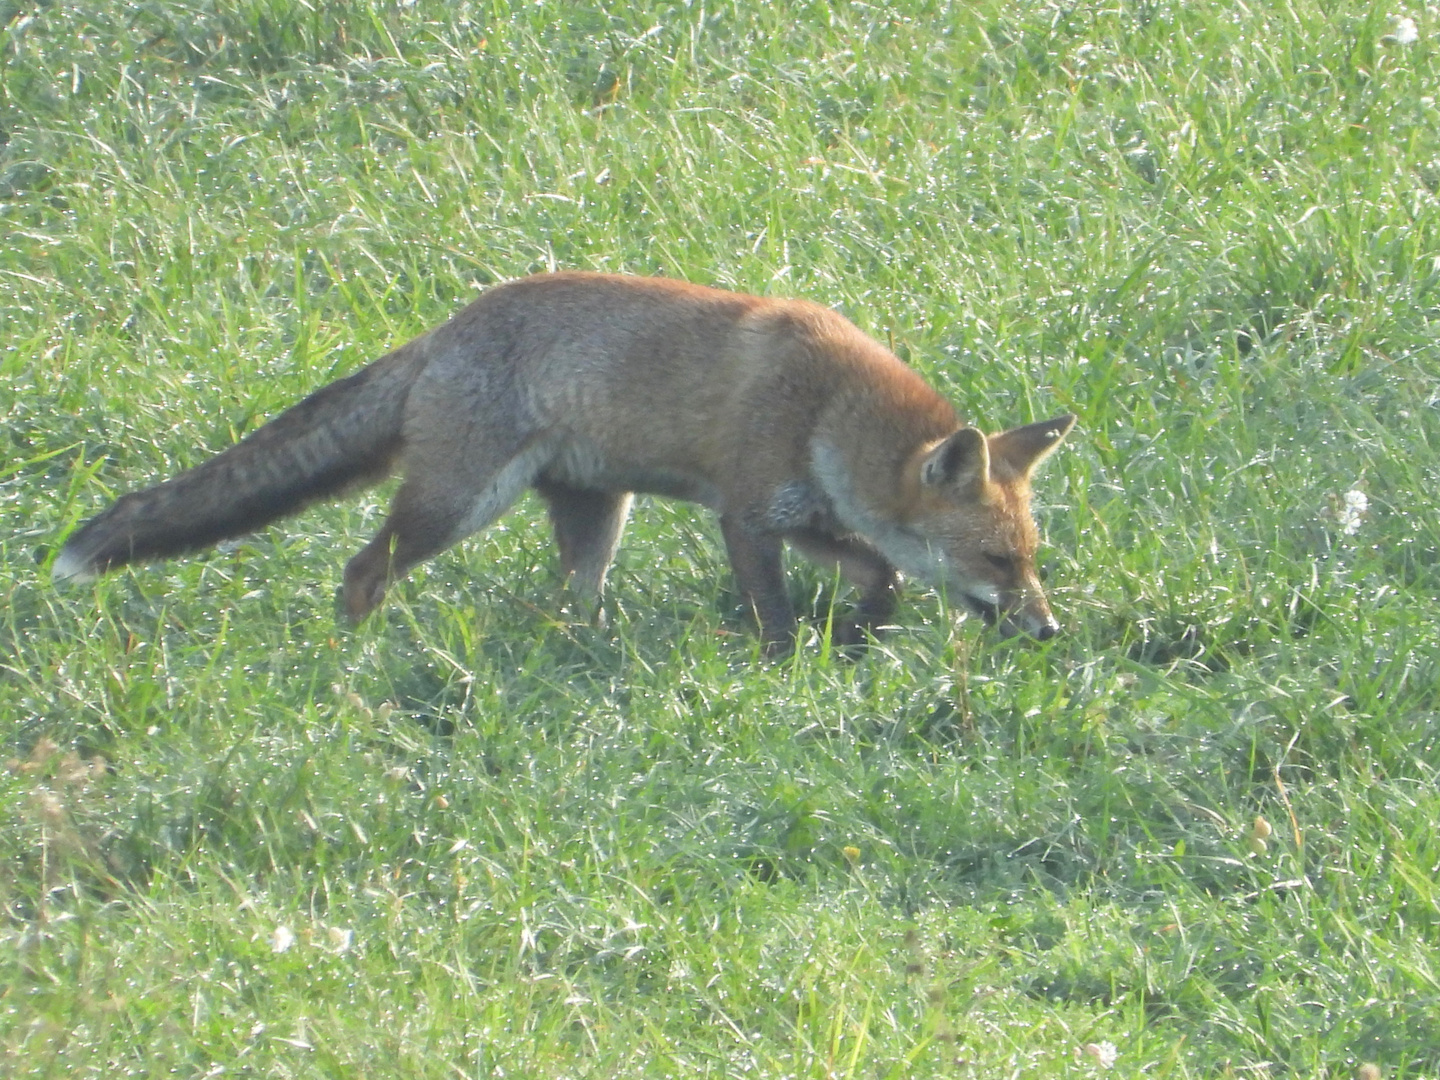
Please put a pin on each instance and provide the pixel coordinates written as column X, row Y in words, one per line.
column 780, row 415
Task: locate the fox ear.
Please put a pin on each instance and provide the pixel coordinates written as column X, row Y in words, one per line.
column 963, row 458
column 1022, row 449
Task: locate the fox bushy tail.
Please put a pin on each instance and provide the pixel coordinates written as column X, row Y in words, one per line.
column 342, row 436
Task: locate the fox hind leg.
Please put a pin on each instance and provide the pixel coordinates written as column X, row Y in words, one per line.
column 587, row 526
column 437, row 505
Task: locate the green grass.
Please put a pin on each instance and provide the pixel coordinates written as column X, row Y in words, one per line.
column 476, row 838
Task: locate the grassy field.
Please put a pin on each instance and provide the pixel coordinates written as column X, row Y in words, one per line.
column 1193, row 836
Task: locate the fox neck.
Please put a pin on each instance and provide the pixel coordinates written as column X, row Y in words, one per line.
column 870, row 514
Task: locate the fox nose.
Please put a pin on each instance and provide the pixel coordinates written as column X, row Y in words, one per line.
column 1041, row 627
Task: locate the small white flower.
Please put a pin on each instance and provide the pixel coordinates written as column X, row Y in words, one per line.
column 1403, row 31
column 1353, row 512
column 282, row 939
column 1102, row 1053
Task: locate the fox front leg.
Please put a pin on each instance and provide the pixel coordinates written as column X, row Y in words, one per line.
column 755, row 557
column 862, row 565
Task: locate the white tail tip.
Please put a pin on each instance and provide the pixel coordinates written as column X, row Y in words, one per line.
column 70, row 567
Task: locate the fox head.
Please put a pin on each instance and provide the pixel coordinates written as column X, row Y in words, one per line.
column 970, row 505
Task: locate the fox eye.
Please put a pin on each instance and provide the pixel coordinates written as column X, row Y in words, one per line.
column 1003, row 563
